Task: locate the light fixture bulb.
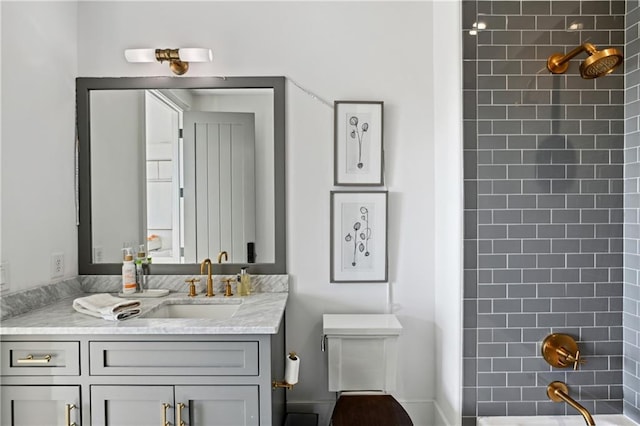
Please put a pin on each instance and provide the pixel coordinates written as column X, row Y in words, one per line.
column 140, row 55
column 195, row 54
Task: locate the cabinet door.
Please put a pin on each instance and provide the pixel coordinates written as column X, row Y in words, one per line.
column 39, row 405
column 131, row 405
column 218, row 405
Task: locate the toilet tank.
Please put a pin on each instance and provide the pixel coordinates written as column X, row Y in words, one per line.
column 362, row 351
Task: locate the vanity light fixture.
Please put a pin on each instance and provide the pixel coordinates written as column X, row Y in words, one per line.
column 178, row 58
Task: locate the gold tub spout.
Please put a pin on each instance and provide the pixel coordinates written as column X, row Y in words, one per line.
column 558, row 392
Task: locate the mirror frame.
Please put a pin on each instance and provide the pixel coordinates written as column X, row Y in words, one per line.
column 84, row 85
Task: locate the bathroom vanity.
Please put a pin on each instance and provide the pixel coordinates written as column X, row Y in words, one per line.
column 59, row 364
column 153, row 370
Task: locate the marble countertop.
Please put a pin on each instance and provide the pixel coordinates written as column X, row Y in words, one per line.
column 260, row 313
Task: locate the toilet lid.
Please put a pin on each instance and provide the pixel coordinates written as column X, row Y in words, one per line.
column 369, row 410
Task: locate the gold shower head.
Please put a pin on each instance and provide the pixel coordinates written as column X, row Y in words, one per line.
column 598, row 63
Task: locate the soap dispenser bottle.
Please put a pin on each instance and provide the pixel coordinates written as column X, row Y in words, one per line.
column 128, row 272
column 140, row 262
column 245, row 283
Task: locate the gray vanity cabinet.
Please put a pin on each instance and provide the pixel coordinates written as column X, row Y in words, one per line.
column 40, row 383
column 157, row 405
column 131, row 405
column 40, row 405
column 218, row 405
column 137, row 380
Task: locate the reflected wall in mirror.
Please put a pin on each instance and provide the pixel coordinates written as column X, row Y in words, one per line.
column 183, row 168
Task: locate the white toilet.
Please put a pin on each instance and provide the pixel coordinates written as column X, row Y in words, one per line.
column 362, row 358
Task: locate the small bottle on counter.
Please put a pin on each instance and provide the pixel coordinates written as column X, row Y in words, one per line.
column 239, row 285
column 245, row 283
column 140, row 262
column 128, row 272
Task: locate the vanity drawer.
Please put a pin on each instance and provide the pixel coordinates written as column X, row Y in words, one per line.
column 174, row 358
column 40, row 358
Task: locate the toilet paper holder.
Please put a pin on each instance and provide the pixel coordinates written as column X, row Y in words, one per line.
column 292, row 367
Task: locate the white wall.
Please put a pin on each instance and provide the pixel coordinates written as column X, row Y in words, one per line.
column 449, row 211
column 2, row 271
column 39, row 52
column 336, row 50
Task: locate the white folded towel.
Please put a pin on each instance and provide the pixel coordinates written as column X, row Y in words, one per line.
column 108, row 307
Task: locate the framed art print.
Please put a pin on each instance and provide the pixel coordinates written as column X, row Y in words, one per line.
column 358, row 236
column 358, row 149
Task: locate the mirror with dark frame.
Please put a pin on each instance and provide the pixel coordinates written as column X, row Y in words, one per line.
column 181, row 169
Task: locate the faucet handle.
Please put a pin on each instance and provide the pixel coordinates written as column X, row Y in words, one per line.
column 227, row 291
column 561, row 350
column 192, row 286
column 576, row 360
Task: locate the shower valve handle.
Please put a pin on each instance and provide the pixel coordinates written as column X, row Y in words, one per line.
column 576, row 360
column 561, row 350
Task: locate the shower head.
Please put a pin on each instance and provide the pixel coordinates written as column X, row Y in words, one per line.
column 601, row 63
column 598, row 63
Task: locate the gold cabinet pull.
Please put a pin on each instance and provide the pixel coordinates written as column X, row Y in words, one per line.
column 181, row 422
column 164, row 414
column 30, row 359
column 67, row 414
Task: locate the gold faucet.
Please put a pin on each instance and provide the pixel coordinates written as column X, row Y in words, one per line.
column 558, row 392
column 209, row 278
column 209, row 265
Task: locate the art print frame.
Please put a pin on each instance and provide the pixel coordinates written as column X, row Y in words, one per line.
column 358, row 143
column 359, row 237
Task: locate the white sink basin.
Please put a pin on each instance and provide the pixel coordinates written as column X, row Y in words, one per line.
column 203, row 311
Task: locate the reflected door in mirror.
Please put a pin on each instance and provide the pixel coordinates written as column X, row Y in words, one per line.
column 219, row 192
column 163, row 164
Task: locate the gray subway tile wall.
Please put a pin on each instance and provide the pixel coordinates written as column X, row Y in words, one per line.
column 544, row 207
column 631, row 305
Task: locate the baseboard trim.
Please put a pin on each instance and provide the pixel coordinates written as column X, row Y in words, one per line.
column 441, row 419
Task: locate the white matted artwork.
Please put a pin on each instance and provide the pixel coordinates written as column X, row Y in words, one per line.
column 358, row 149
column 358, row 236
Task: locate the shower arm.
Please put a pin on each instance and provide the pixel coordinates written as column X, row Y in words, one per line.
column 558, row 63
